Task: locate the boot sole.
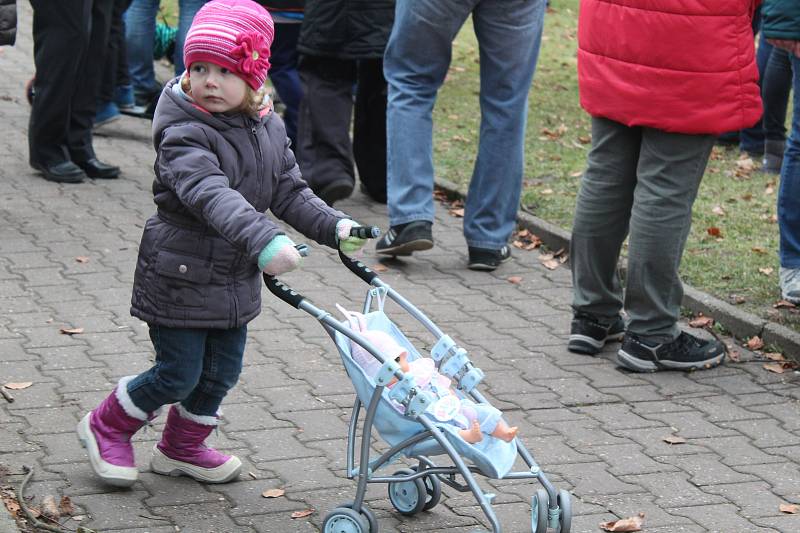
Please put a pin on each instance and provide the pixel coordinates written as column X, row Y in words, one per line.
column 631, row 362
column 118, row 476
column 407, row 248
column 583, row 344
column 227, row 471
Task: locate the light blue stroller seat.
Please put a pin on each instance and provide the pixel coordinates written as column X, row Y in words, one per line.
column 492, row 456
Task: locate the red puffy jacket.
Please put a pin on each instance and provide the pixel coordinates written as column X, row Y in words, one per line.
column 684, row 66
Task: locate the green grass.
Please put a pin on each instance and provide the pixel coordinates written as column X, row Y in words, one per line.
column 734, row 268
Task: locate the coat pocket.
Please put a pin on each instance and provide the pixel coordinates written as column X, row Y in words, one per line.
column 183, row 279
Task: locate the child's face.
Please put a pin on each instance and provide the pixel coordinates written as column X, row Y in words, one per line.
column 215, row 88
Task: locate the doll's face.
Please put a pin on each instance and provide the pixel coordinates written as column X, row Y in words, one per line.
column 403, row 360
column 215, row 88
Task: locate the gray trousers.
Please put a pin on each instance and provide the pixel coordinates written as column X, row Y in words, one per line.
column 639, row 182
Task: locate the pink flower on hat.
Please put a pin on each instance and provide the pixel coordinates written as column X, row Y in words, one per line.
column 252, row 51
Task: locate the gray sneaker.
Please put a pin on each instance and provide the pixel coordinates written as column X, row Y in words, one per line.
column 790, row 285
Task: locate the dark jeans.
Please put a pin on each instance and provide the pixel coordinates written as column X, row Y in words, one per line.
column 69, row 49
column 789, row 192
column 115, row 72
column 284, row 76
column 196, row 367
column 325, row 153
column 642, row 183
column 775, row 79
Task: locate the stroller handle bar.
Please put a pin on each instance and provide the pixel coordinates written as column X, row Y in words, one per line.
column 294, row 298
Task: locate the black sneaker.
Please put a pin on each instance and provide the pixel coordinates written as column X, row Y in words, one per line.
column 684, row 353
column 404, row 239
column 587, row 335
column 487, row 260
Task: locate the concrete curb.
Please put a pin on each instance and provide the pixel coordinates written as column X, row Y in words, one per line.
column 741, row 324
column 7, row 523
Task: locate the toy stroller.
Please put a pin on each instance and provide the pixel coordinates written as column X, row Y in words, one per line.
column 400, row 410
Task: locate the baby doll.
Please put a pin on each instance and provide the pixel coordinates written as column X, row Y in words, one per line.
column 472, row 418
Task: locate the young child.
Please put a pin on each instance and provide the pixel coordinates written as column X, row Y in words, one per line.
column 223, row 160
column 473, row 419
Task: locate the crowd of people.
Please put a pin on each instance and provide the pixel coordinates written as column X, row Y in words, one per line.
column 660, row 91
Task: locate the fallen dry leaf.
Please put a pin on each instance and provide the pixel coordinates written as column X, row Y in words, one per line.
column 18, row 386
column 515, row 280
column 759, row 250
column 301, row 514
column 457, row 212
column 718, row 210
column 734, row 356
column 65, row 507
column 379, row 268
column 789, row 508
column 774, row 356
column 82, row 259
column 674, row 439
column 701, row 321
column 273, row 493
column 49, row 507
column 576, row 174
column 755, row 343
column 584, row 139
column 714, row 232
column 71, row 331
column 780, row 367
column 766, row 270
column 632, row 523
column 783, row 304
column 549, row 261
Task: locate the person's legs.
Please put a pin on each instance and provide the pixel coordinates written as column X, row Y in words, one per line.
column 415, row 64
column 789, row 202
column 369, row 128
column 140, row 27
column 775, row 89
column 325, row 153
column 179, row 365
column 187, row 9
column 509, row 33
column 284, row 76
column 602, row 217
column 61, row 40
column 182, row 449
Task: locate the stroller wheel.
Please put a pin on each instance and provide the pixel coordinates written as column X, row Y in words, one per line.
column 539, row 504
column 408, row 497
column 367, row 513
column 344, row 520
column 564, row 501
column 433, row 489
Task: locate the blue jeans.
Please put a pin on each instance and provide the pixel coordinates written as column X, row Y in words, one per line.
column 283, row 75
column 417, row 58
column 140, row 28
column 196, row 367
column 789, row 192
column 775, row 80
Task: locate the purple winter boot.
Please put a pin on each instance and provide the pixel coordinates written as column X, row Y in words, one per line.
column 182, row 452
column 106, row 434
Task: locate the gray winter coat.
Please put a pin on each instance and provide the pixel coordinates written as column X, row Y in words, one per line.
column 216, row 175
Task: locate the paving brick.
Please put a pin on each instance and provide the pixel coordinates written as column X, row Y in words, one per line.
column 673, row 490
column 737, row 451
column 720, row 519
column 629, row 459
column 765, row 433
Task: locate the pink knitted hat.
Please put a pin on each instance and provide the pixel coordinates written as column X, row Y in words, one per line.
column 234, row 34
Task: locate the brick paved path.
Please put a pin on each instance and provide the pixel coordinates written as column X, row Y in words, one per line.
column 596, row 430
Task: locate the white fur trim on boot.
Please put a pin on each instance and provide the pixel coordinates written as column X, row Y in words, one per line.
column 227, row 471
column 200, row 419
column 125, row 400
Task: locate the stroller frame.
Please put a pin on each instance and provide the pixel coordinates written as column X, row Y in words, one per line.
column 549, row 508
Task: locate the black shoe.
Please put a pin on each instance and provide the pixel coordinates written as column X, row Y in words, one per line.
column 487, row 260
column 587, row 335
column 684, row 353
column 95, row 168
column 63, row 172
column 335, row 190
column 406, row 238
